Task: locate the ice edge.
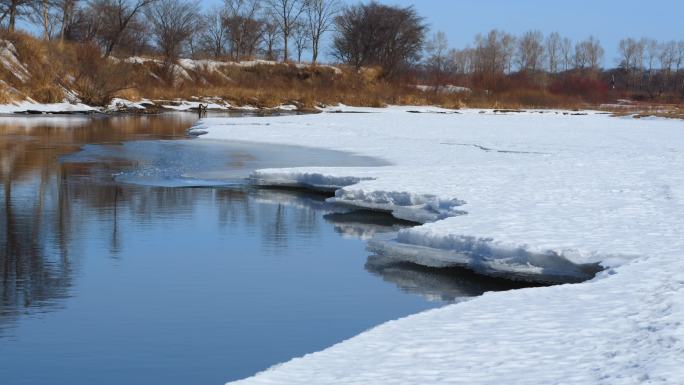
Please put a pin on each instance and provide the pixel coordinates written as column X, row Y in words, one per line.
column 482, row 255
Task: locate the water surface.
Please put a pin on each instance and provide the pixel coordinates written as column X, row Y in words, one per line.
column 111, row 274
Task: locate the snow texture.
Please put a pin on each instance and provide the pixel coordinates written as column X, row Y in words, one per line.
column 124, row 104
column 445, row 89
column 215, row 66
column 184, row 105
column 544, row 195
column 9, row 61
column 29, row 106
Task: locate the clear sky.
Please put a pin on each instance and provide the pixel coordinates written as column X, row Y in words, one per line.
column 609, row 20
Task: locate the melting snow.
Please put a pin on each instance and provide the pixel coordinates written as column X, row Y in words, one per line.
column 30, row 106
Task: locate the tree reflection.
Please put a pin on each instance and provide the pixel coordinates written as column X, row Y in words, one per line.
column 47, row 205
column 43, row 200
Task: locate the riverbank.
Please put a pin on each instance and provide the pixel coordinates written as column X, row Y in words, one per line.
column 147, row 106
column 144, row 106
column 545, row 195
column 50, row 77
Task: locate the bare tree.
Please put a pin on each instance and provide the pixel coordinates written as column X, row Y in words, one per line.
column 627, row 50
column 553, row 51
column 286, row 14
column 83, row 26
column 215, row 32
column 666, row 60
column 631, row 58
column 494, row 52
column 594, row 52
column 639, row 53
column 580, row 59
column 436, row 49
column 270, row 40
column 651, row 51
column 14, row 10
column 114, row 18
column 67, row 9
column 679, row 56
column 45, row 14
column 375, row 34
column 172, row 23
column 508, row 43
column 244, row 27
column 667, row 56
column 531, row 51
column 301, row 40
column 566, row 53
column 461, row 61
column 320, row 15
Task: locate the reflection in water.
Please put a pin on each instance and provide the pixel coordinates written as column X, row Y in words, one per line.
column 436, row 284
column 112, row 283
column 36, row 216
column 365, row 224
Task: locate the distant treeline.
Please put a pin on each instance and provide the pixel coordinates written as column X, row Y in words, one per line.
column 500, row 61
column 394, row 41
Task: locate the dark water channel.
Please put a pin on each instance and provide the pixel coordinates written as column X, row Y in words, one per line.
column 110, row 273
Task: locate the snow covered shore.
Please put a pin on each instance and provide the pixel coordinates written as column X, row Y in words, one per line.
column 545, row 196
column 32, row 107
column 122, row 105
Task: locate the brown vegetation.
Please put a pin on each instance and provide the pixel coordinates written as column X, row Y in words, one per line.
column 58, row 68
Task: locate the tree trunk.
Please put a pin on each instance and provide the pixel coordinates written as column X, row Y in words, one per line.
column 46, row 21
column 66, row 19
column 12, row 16
column 314, row 51
column 285, row 53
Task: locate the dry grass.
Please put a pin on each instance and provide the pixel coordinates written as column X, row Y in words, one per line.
column 45, row 64
column 56, row 68
column 643, row 110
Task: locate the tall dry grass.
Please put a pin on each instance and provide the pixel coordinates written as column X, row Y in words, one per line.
column 57, row 70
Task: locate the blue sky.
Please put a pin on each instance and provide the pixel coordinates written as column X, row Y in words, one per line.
column 609, row 21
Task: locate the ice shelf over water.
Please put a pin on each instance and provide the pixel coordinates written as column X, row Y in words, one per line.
column 541, row 195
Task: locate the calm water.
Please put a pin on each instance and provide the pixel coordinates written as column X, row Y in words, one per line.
column 112, row 274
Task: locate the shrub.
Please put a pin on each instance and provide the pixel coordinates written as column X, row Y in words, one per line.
column 96, row 79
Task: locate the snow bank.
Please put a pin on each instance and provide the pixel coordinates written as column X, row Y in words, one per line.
column 31, row 107
column 543, row 195
column 312, row 180
column 445, row 89
column 215, row 65
column 9, row 61
column 125, row 104
column 184, row 105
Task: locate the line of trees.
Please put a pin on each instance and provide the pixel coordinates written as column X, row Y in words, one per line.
column 501, row 52
column 644, row 65
column 235, row 30
column 369, row 34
